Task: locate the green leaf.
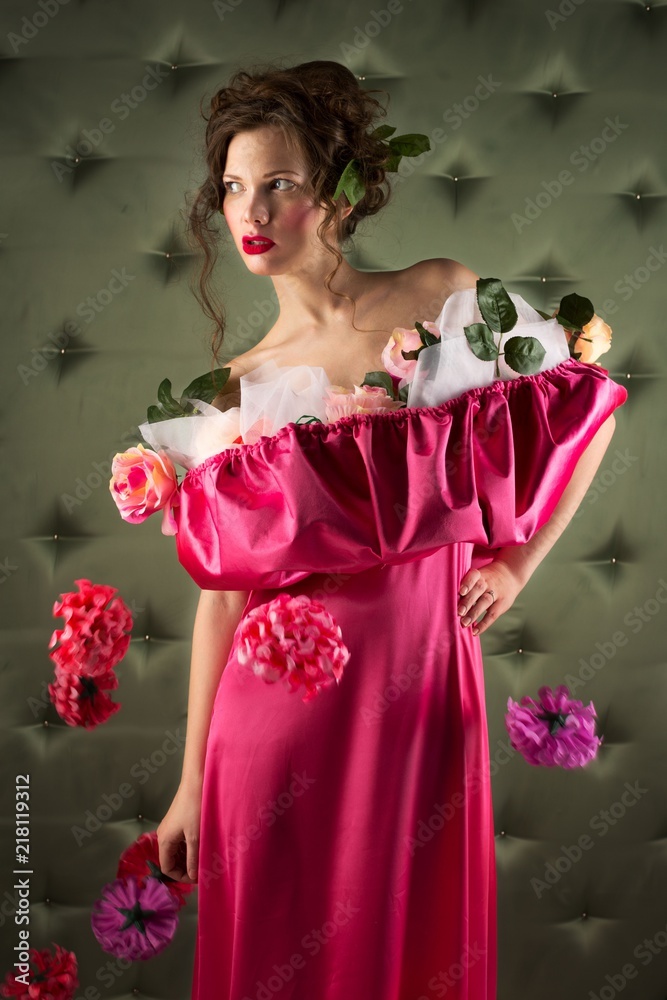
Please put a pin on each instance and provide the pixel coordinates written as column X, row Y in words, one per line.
column 392, row 164
column 403, row 393
column 166, row 399
column 427, row 339
column 352, row 183
column 306, row 418
column 410, row 144
column 524, row 354
column 205, row 387
column 154, row 414
column 495, row 305
column 383, row 131
column 382, row 379
column 544, row 315
column 481, row 342
column 575, row 311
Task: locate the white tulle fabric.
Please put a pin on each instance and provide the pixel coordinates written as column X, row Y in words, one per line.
column 445, row 370
column 273, row 396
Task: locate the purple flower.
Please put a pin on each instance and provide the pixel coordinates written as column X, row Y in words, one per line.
column 133, row 921
column 556, row 731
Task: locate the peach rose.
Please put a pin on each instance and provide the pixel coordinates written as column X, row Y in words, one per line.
column 597, row 340
column 341, row 402
column 404, row 340
column 593, row 340
column 143, row 482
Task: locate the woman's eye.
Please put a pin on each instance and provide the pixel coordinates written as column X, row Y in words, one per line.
column 227, row 185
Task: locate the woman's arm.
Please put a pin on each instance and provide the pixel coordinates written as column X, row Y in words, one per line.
column 524, row 559
column 509, row 571
column 218, row 614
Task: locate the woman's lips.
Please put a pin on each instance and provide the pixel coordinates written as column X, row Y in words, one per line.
column 256, row 244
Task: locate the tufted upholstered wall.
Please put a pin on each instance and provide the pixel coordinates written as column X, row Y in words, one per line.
column 547, row 170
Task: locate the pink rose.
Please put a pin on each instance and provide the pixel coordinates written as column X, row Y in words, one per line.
column 341, row 402
column 143, row 482
column 404, row 340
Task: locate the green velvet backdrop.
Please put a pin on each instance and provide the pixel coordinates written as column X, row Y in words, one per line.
column 546, row 170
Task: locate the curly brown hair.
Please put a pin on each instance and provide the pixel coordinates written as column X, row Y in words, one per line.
column 325, row 116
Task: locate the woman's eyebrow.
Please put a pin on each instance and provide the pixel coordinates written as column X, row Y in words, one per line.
column 271, row 174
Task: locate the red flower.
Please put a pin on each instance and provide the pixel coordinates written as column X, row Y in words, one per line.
column 53, row 978
column 141, row 861
column 94, row 638
column 80, row 700
column 295, row 639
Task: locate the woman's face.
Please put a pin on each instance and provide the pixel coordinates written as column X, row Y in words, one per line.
column 265, row 195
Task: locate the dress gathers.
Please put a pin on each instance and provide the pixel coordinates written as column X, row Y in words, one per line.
column 347, row 842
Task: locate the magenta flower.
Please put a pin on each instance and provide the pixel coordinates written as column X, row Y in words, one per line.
column 556, row 731
column 134, row 921
column 294, row 639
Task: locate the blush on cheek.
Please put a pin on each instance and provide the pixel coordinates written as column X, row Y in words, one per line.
column 298, row 218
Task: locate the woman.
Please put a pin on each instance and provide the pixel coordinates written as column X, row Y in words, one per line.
column 344, row 847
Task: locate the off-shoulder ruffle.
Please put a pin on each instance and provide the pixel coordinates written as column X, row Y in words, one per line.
column 386, row 487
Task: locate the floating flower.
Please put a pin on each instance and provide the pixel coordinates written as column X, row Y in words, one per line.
column 294, row 639
column 142, row 482
column 81, row 700
column 134, row 921
column 556, row 731
column 405, row 340
column 53, row 977
column 141, row 861
column 96, row 633
column 593, row 340
column 341, row 402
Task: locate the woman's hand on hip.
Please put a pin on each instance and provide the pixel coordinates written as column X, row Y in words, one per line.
column 475, row 600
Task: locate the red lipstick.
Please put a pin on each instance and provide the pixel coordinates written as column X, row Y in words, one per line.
column 257, row 244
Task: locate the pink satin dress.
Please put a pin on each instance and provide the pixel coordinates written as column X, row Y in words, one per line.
column 347, row 842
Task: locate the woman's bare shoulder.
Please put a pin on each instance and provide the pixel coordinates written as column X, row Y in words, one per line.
column 446, row 273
